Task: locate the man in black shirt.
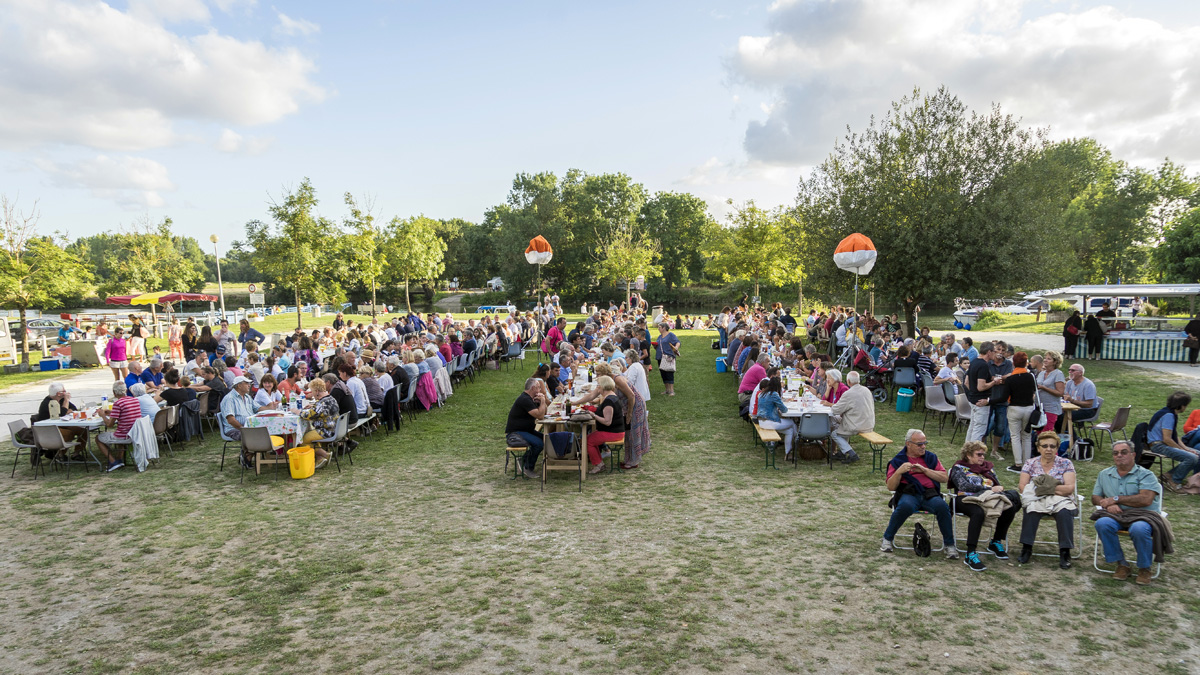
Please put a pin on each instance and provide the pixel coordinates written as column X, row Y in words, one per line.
column 1001, row 367
column 979, row 383
column 56, row 404
column 529, row 407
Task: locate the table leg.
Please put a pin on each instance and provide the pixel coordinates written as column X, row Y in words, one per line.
column 583, row 461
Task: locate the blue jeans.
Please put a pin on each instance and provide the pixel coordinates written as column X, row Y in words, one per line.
column 1186, row 461
column 529, row 459
column 724, row 341
column 910, row 504
column 1192, row 438
column 1141, row 534
column 998, row 424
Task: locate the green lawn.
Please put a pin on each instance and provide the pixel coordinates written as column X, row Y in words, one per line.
column 426, row 557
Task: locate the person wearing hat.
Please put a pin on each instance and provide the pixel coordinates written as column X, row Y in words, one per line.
column 236, row 406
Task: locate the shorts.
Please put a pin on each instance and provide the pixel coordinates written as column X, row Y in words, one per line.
column 111, row 438
column 118, row 364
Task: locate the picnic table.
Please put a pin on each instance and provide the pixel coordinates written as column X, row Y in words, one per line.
column 556, row 420
column 91, row 422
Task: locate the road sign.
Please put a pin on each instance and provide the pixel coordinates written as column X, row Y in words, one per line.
column 258, row 298
column 252, row 288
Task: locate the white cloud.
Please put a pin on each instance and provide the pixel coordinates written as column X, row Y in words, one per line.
column 289, row 26
column 170, row 10
column 233, row 142
column 85, row 73
column 134, row 182
column 1130, row 82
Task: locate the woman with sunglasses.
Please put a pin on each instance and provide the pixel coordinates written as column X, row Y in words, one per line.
column 977, row 492
column 1053, row 496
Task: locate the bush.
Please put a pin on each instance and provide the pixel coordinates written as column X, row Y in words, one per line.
column 1061, row 306
column 988, row 318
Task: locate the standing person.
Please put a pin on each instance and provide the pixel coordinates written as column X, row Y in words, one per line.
column 175, row 341
column 1123, row 486
column 1071, row 330
column 189, row 339
column 245, row 332
column 1022, row 387
column 1193, row 332
column 116, row 352
column 668, row 347
column 1051, row 385
column 137, row 337
column 1094, row 329
column 207, row 342
column 979, row 383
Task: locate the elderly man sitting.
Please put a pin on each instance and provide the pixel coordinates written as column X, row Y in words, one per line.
column 152, row 377
column 529, row 407
column 56, row 404
column 146, row 402
column 1131, row 499
column 914, row 475
column 855, row 412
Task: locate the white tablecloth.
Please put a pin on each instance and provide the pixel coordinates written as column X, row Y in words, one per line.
column 278, row 425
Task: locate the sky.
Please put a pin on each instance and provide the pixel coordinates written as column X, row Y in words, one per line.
column 113, row 114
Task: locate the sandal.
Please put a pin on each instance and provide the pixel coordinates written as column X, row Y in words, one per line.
column 626, row 467
column 599, row 468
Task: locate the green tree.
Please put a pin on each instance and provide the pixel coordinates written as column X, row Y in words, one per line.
column 683, row 228
column 953, row 200
column 150, row 258
column 361, row 248
column 415, row 251
column 752, row 247
column 35, row 271
column 295, row 252
column 1179, row 254
column 625, row 254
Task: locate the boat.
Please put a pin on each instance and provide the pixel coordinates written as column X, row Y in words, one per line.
column 966, row 312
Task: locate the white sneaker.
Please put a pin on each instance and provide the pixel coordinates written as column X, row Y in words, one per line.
column 885, row 546
column 951, row 552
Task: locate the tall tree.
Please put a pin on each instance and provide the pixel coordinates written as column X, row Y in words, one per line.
column 415, row 251
column 35, row 271
column 625, row 254
column 294, row 253
column 361, row 247
column 753, row 246
column 681, row 225
column 150, row 258
column 952, row 199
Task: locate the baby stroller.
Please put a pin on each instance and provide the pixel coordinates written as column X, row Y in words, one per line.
column 874, row 377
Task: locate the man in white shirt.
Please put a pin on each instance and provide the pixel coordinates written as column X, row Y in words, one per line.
column 193, row 367
column 357, row 389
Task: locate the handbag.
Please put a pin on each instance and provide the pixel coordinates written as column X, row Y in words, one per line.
column 1191, row 342
column 920, row 541
column 1073, row 330
column 668, row 363
column 1038, row 419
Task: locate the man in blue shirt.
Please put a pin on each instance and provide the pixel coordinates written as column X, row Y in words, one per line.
column 1163, row 437
column 1081, row 392
column 1121, row 487
column 152, row 377
column 969, row 352
column 65, row 331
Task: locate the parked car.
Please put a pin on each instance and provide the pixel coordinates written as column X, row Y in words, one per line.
column 37, row 327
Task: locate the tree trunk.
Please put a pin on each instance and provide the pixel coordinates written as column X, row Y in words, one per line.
column 909, row 319
column 756, row 291
column 299, row 313
column 372, row 297
column 24, row 337
column 800, row 300
column 407, row 301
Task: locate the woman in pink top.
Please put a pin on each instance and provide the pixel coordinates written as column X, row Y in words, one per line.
column 115, row 352
column 834, row 388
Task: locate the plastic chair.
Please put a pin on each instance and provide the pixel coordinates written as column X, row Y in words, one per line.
column 816, row 427
column 49, row 438
column 258, row 442
column 30, row 449
column 162, row 424
column 935, row 401
column 962, row 414
column 1120, row 533
column 338, row 437
column 1083, row 427
column 1118, row 424
column 904, row 376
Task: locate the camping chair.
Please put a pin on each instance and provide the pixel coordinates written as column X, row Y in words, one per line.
column 935, row 401
column 1120, row 533
column 49, row 439
column 30, row 450
column 1078, row 524
column 962, row 414
column 815, row 427
column 162, row 425
column 258, row 442
column 1118, row 424
column 923, row 512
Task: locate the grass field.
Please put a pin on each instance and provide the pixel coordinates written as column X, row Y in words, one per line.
column 426, row 557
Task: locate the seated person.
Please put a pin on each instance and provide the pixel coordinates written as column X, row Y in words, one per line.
column 906, row 359
column 66, row 331
column 1163, row 437
column 1082, row 392
column 146, row 402
column 855, row 413
column 322, row 416
column 1048, row 488
column 529, row 407
column 770, row 414
column 268, row 397
column 978, row 491
column 754, row 374
column 1131, row 499
column 948, row 373
column 610, row 422
column 135, row 373
column 342, row 396
column 374, row 391
column 173, row 393
column 211, row 382
column 913, row 475
column 56, row 404
column 125, row 412
column 152, row 377
column 235, row 408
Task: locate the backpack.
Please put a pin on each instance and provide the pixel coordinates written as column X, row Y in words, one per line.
column 1141, row 443
column 921, row 545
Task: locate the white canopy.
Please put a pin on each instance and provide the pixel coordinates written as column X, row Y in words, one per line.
column 1118, row 291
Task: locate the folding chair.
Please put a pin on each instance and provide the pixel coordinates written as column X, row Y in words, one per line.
column 1078, row 519
column 1118, row 424
column 923, row 512
column 1120, row 533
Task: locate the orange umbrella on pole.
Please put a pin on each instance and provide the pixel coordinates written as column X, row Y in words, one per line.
column 857, row 254
column 538, row 252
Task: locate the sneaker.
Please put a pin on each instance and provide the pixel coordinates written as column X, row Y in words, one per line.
column 114, row 465
column 1014, row 468
column 530, row 473
column 1122, row 572
column 605, row 455
column 886, row 546
column 972, row 560
column 998, row 550
column 850, row 457
column 1143, row 577
column 951, row 552
column 320, row 464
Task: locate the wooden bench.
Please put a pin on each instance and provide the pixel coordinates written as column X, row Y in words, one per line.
column 516, row 455
column 877, row 443
column 770, row 439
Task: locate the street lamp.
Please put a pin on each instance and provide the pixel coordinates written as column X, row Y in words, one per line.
column 220, row 286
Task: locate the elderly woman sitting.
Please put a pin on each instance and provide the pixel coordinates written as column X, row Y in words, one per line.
column 834, row 387
column 980, row 498
column 1047, row 488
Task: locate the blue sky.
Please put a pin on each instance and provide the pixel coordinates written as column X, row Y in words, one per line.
column 202, row 109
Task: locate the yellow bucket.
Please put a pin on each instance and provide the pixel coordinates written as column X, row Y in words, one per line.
column 301, row 462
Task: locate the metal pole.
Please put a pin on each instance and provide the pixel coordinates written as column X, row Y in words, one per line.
column 220, row 285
